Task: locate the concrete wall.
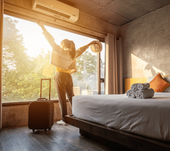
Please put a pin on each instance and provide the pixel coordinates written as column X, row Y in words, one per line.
column 146, row 44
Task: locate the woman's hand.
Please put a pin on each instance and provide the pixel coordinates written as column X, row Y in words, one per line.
column 93, row 42
column 40, row 23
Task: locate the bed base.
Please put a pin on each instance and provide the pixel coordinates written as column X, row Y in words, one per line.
column 107, row 135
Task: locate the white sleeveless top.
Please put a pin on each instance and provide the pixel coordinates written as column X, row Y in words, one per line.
column 60, row 58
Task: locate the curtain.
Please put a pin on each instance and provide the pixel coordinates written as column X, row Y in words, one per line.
column 114, row 65
column 1, row 40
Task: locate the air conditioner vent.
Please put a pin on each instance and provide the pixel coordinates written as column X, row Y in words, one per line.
column 56, row 9
column 52, row 11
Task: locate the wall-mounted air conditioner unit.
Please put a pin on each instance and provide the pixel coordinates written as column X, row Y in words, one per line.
column 56, row 9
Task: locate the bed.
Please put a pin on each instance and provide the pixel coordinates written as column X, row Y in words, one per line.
column 139, row 124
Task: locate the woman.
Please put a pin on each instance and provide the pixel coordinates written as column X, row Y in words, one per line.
column 64, row 58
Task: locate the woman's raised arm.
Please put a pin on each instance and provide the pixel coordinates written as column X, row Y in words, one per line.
column 40, row 23
column 82, row 49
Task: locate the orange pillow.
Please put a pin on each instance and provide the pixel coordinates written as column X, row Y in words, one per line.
column 158, row 83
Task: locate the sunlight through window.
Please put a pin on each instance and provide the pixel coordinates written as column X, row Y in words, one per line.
column 26, row 55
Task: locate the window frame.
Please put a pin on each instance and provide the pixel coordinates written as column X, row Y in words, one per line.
column 99, row 80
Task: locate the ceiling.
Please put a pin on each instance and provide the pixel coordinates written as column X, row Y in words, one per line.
column 117, row 12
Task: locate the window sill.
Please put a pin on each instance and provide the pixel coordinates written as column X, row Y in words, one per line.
column 21, row 103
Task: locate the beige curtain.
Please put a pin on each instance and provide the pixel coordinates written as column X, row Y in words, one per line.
column 1, row 34
column 114, row 65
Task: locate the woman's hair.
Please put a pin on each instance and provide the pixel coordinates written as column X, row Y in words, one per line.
column 71, row 46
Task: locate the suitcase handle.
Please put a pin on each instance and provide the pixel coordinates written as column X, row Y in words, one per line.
column 49, row 88
column 40, row 99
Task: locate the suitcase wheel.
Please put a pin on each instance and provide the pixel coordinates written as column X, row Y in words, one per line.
column 33, row 130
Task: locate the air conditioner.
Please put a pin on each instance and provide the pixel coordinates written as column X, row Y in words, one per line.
column 56, row 9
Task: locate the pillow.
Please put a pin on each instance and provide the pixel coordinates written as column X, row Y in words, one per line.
column 167, row 79
column 158, row 83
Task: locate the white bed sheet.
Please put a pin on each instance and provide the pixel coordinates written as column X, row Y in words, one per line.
column 147, row 117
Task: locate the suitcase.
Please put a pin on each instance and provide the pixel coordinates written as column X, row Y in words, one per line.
column 41, row 112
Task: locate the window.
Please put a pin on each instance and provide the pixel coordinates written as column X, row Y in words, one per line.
column 26, row 56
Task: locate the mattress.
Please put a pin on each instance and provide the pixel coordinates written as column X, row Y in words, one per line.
column 146, row 117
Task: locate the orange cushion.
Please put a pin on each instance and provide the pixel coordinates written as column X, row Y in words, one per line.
column 158, row 83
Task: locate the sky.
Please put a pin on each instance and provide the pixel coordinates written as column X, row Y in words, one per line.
column 34, row 40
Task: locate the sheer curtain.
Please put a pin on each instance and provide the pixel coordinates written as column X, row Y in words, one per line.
column 114, row 65
column 1, row 34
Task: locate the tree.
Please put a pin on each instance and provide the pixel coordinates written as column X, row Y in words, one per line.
column 86, row 71
column 15, row 60
column 21, row 74
column 86, row 65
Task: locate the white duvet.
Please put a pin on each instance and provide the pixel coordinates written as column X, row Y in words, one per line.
column 147, row 117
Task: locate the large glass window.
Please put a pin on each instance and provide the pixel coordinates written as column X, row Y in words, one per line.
column 26, row 56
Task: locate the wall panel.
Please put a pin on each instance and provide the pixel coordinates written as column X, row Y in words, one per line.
column 18, row 115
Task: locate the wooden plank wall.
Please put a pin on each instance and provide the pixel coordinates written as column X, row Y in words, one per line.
column 130, row 81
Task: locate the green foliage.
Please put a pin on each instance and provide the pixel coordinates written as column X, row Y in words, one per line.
column 86, row 65
column 86, row 70
column 21, row 74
